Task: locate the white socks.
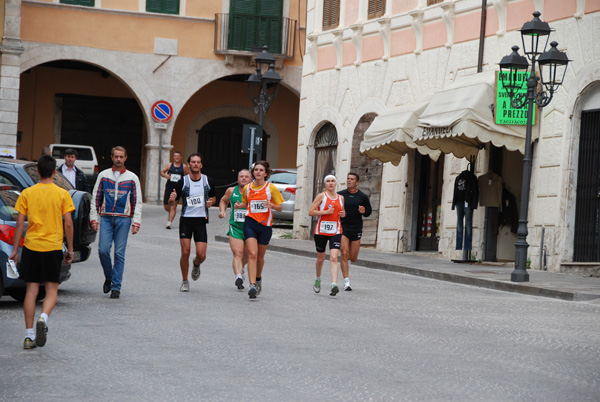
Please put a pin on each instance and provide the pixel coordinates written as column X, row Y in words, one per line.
column 30, row 333
column 45, row 317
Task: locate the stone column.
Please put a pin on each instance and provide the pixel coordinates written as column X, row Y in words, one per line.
column 10, row 74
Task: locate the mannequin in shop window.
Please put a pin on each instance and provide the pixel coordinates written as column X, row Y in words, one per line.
column 465, row 200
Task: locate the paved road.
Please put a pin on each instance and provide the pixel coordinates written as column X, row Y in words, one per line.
column 395, row 337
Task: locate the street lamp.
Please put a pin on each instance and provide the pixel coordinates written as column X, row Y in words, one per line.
column 513, row 68
column 262, row 89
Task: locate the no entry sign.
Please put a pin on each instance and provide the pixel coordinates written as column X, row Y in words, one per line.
column 162, row 111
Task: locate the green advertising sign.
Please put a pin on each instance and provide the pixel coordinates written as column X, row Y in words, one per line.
column 505, row 112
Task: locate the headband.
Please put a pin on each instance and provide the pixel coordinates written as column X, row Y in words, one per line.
column 329, row 176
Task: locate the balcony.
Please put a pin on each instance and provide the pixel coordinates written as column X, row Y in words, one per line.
column 244, row 35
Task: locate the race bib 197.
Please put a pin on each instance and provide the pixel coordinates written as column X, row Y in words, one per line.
column 239, row 215
column 195, row 201
column 175, row 177
column 328, row 227
column 258, row 206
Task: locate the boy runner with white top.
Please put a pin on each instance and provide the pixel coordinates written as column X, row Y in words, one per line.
column 197, row 192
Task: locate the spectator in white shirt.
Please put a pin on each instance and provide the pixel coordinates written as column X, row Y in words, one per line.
column 74, row 175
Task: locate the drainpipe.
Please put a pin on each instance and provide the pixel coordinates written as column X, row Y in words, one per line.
column 482, row 35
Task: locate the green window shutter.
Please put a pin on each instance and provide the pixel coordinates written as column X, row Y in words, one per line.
column 254, row 23
column 89, row 3
column 162, row 6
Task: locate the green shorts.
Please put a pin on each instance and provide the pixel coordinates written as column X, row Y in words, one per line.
column 236, row 231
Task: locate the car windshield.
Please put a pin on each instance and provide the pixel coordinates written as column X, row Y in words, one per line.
column 60, row 180
column 283, row 178
column 84, row 154
column 8, row 200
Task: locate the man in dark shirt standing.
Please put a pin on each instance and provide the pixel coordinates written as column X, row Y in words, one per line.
column 357, row 205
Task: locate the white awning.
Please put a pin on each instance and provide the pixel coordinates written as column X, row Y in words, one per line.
column 460, row 119
column 390, row 136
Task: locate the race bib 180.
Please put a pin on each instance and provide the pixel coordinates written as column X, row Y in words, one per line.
column 195, row 201
column 258, row 206
column 239, row 215
column 328, row 227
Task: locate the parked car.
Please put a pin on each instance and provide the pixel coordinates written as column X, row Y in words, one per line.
column 86, row 159
column 16, row 175
column 285, row 181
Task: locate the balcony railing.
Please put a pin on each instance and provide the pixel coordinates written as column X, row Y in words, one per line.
column 240, row 34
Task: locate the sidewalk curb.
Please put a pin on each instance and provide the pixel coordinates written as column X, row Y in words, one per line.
column 506, row 286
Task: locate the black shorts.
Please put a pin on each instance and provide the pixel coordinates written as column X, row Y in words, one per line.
column 40, row 266
column 352, row 235
column 261, row 233
column 195, row 227
column 168, row 191
column 321, row 242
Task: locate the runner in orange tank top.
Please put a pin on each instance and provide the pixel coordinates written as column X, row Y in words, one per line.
column 329, row 207
column 259, row 197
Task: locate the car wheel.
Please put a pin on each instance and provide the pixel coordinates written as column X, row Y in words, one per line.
column 19, row 294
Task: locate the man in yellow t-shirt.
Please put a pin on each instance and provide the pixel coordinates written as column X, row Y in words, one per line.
column 44, row 205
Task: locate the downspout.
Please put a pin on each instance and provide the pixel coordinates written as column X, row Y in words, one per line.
column 482, row 35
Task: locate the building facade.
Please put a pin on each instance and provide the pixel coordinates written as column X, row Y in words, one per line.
column 89, row 71
column 395, row 67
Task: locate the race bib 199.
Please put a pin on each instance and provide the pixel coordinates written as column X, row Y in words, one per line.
column 175, row 177
column 258, row 206
column 195, row 201
column 239, row 215
column 328, row 227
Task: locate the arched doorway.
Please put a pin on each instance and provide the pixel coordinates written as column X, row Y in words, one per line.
column 220, row 144
column 73, row 102
column 326, row 142
column 325, row 154
column 370, row 172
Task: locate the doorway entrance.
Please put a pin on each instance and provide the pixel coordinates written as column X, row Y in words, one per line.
column 428, row 179
column 586, row 245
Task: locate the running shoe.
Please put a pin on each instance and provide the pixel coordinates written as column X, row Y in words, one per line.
column 258, row 286
column 185, row 286
column 41, row 329
column 347, row 286
column 196, row 271
column 334, row 290
column 252, row 292
column 317, row 286
column 28, row 343
column 239, row 282
column 168, row 225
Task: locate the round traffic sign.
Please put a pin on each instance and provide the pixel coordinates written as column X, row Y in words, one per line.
column 162, row 111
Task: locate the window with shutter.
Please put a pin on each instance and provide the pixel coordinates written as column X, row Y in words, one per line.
column 89, row 3
column 376, row 8
column 162, row 6
column 254, row 23
column 331, row 14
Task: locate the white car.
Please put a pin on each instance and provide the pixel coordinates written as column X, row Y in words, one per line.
column 86, row 159
column 285, row 181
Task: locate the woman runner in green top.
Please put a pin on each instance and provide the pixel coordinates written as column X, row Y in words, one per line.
column 236, row 225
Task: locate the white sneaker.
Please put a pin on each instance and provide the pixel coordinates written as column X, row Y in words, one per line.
column 347, row 286
column 195, row 271
column 168, row 225
column 185, row 286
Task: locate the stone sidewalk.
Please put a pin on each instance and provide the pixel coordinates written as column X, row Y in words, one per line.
column 541, row 283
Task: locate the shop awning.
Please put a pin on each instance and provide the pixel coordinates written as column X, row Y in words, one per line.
column 460, row 119
column 390, row 136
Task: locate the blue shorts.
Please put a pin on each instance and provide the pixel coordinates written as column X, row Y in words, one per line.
column 261, row 233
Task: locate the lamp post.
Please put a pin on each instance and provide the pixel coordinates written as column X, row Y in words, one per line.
column 262, row 89
column 553, row 66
